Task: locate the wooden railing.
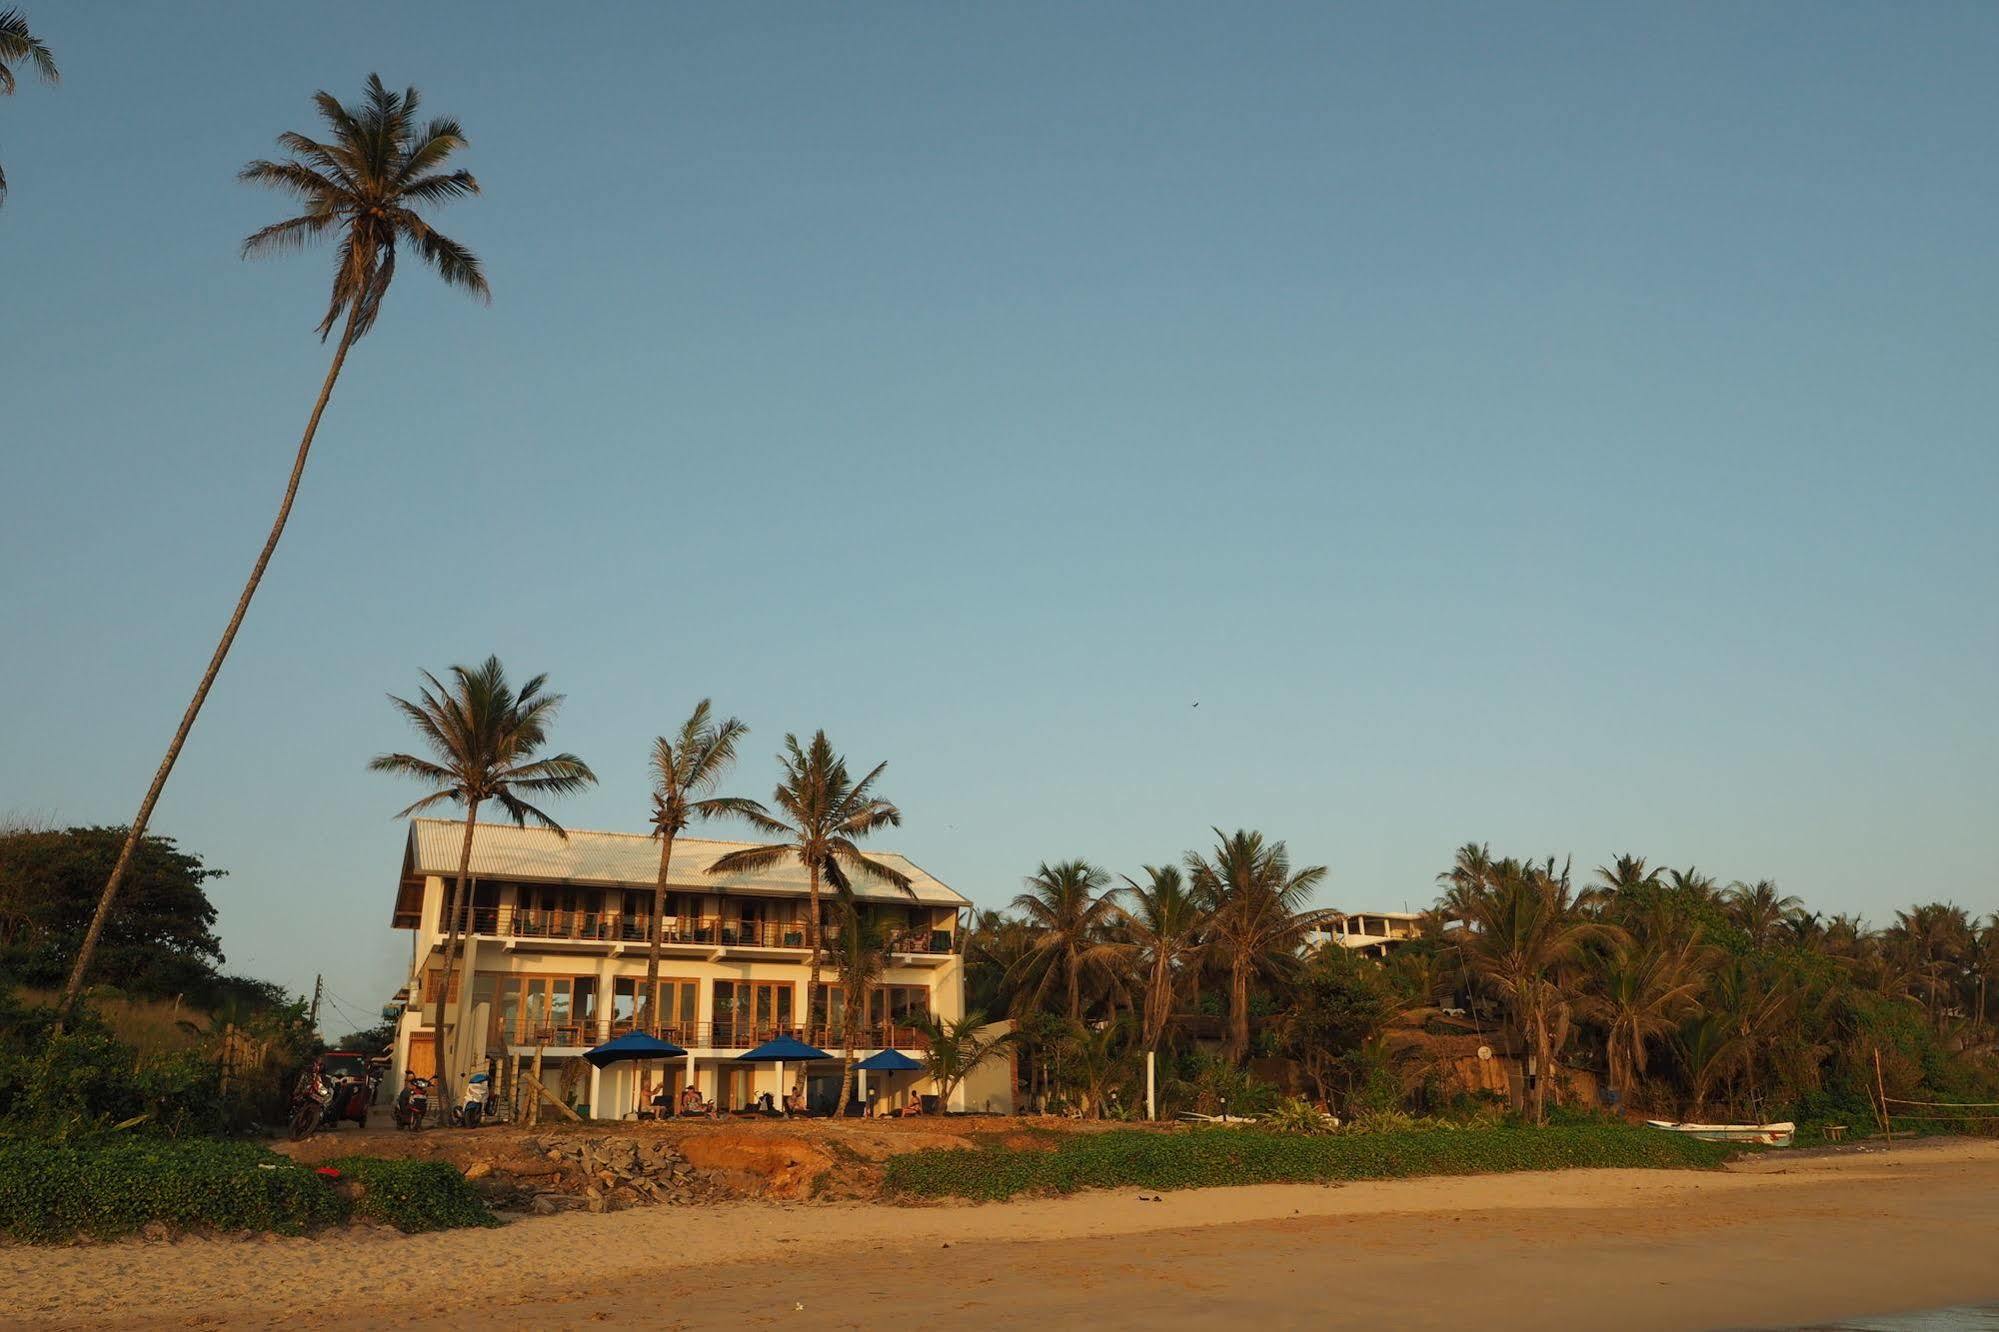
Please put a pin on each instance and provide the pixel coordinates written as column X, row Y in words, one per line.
column 616, row 927
column 723, row 1035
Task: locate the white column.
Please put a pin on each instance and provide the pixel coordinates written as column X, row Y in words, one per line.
column 690, row 1071
column 596, row 1086
column 1151, row 1101
column 781, row 1104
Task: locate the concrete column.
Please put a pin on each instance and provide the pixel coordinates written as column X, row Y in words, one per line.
column 596, row 1092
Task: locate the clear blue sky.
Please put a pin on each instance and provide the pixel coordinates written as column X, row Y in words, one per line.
column 1570, row 427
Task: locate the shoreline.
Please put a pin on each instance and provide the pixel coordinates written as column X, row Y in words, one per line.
column 1767, row 1241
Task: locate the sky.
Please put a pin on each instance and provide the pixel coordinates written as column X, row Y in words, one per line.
column 1568, row 427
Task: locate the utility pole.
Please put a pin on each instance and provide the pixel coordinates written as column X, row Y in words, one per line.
column 312, row 1014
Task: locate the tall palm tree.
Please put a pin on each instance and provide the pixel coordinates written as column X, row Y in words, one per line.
column 1640, row 992
column 1163, row 923
column 484, row 739
column 860, row 955
column 822, row 813
column 1071, row 915
column 1761, row 909
column 365, row 186
column 18, row 44
column 1519, row 941
column 1256, row 913
column 1469, row 876
column 685, row 767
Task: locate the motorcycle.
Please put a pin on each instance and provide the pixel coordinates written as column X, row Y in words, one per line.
column 308, row 1106
column 349, row 1100
column 412, row 1103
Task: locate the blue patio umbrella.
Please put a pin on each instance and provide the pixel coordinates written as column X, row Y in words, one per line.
column 780, row 1051
column 888, row 1061
column 632, row 1045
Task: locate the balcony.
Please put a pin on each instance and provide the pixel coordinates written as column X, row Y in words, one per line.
column 611, row 927
column 723, row 1035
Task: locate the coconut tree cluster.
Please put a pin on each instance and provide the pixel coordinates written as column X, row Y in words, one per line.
column 1635, row 988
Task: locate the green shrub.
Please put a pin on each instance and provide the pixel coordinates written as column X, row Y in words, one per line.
column 414, row 1196
column 55, row 1191
column 1217, row 1156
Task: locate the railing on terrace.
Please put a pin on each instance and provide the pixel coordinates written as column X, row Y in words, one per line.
column 724, row 1035
column 616, row 927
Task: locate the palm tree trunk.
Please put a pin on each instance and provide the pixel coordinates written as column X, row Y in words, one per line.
column 74, row 986
column 847, row 1054
column 451, row 956
column 1238, row 1010
column 812, row 942
column 650, row 1001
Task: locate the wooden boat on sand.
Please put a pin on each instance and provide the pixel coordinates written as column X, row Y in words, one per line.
column 1762, row 1135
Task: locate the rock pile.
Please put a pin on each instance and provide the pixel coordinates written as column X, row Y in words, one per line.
column 590, row 1173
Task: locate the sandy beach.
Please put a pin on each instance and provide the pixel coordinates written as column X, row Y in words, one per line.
column 1781, row 1240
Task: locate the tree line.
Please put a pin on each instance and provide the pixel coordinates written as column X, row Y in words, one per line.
column 1676, row 995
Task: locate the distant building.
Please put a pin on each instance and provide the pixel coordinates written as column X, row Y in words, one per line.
column 1371, row 933
column 555, row 963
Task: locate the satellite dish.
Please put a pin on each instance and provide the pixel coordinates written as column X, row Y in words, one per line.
column 1484, row 1052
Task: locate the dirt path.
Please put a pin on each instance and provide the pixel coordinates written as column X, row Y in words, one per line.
column 1783, row 1240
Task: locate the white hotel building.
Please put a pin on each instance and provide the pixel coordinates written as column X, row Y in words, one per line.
column 556, row 958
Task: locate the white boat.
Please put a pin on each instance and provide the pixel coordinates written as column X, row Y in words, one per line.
column 1764, row 1135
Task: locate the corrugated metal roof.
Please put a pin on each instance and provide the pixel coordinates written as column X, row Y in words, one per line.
column 631, row 860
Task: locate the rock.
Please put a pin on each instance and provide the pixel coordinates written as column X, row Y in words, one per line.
column 479, row 1170
column 597, row 1204
column 542, row 1207
column 552, row 1154
column 156, row 1232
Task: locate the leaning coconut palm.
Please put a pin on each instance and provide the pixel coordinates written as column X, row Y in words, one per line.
column 821, row 812
column 1256, row 914
column 483, row 738
column 1163, row 922
column 18, row 44
column 685, row 767
column 364, row 186
column 1071, row 916
column 1520, row 941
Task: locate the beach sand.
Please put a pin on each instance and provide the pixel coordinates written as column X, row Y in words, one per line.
column 1785, row 1239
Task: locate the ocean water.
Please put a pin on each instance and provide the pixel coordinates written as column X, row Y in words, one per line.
column 1960, row 1318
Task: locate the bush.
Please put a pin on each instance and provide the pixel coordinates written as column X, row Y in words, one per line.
column 414, row 1196
column 1218, row 1156
column 51, row 1192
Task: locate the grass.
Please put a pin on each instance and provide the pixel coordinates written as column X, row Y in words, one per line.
column 50, row 1193
column 1209, row 1157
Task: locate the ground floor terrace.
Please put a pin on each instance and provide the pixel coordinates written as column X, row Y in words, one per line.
column 517, row 1006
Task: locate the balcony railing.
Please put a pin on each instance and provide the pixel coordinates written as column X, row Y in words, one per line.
column 616, row 927
column 723, row 1035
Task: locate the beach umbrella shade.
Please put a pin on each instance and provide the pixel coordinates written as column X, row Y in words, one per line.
column 633, row 1045
column 887, row 1061
column 780, row 1051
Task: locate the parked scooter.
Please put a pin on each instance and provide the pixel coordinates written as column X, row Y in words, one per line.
column 310, row 1099
column 412, row 1103
column 478, row 1091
